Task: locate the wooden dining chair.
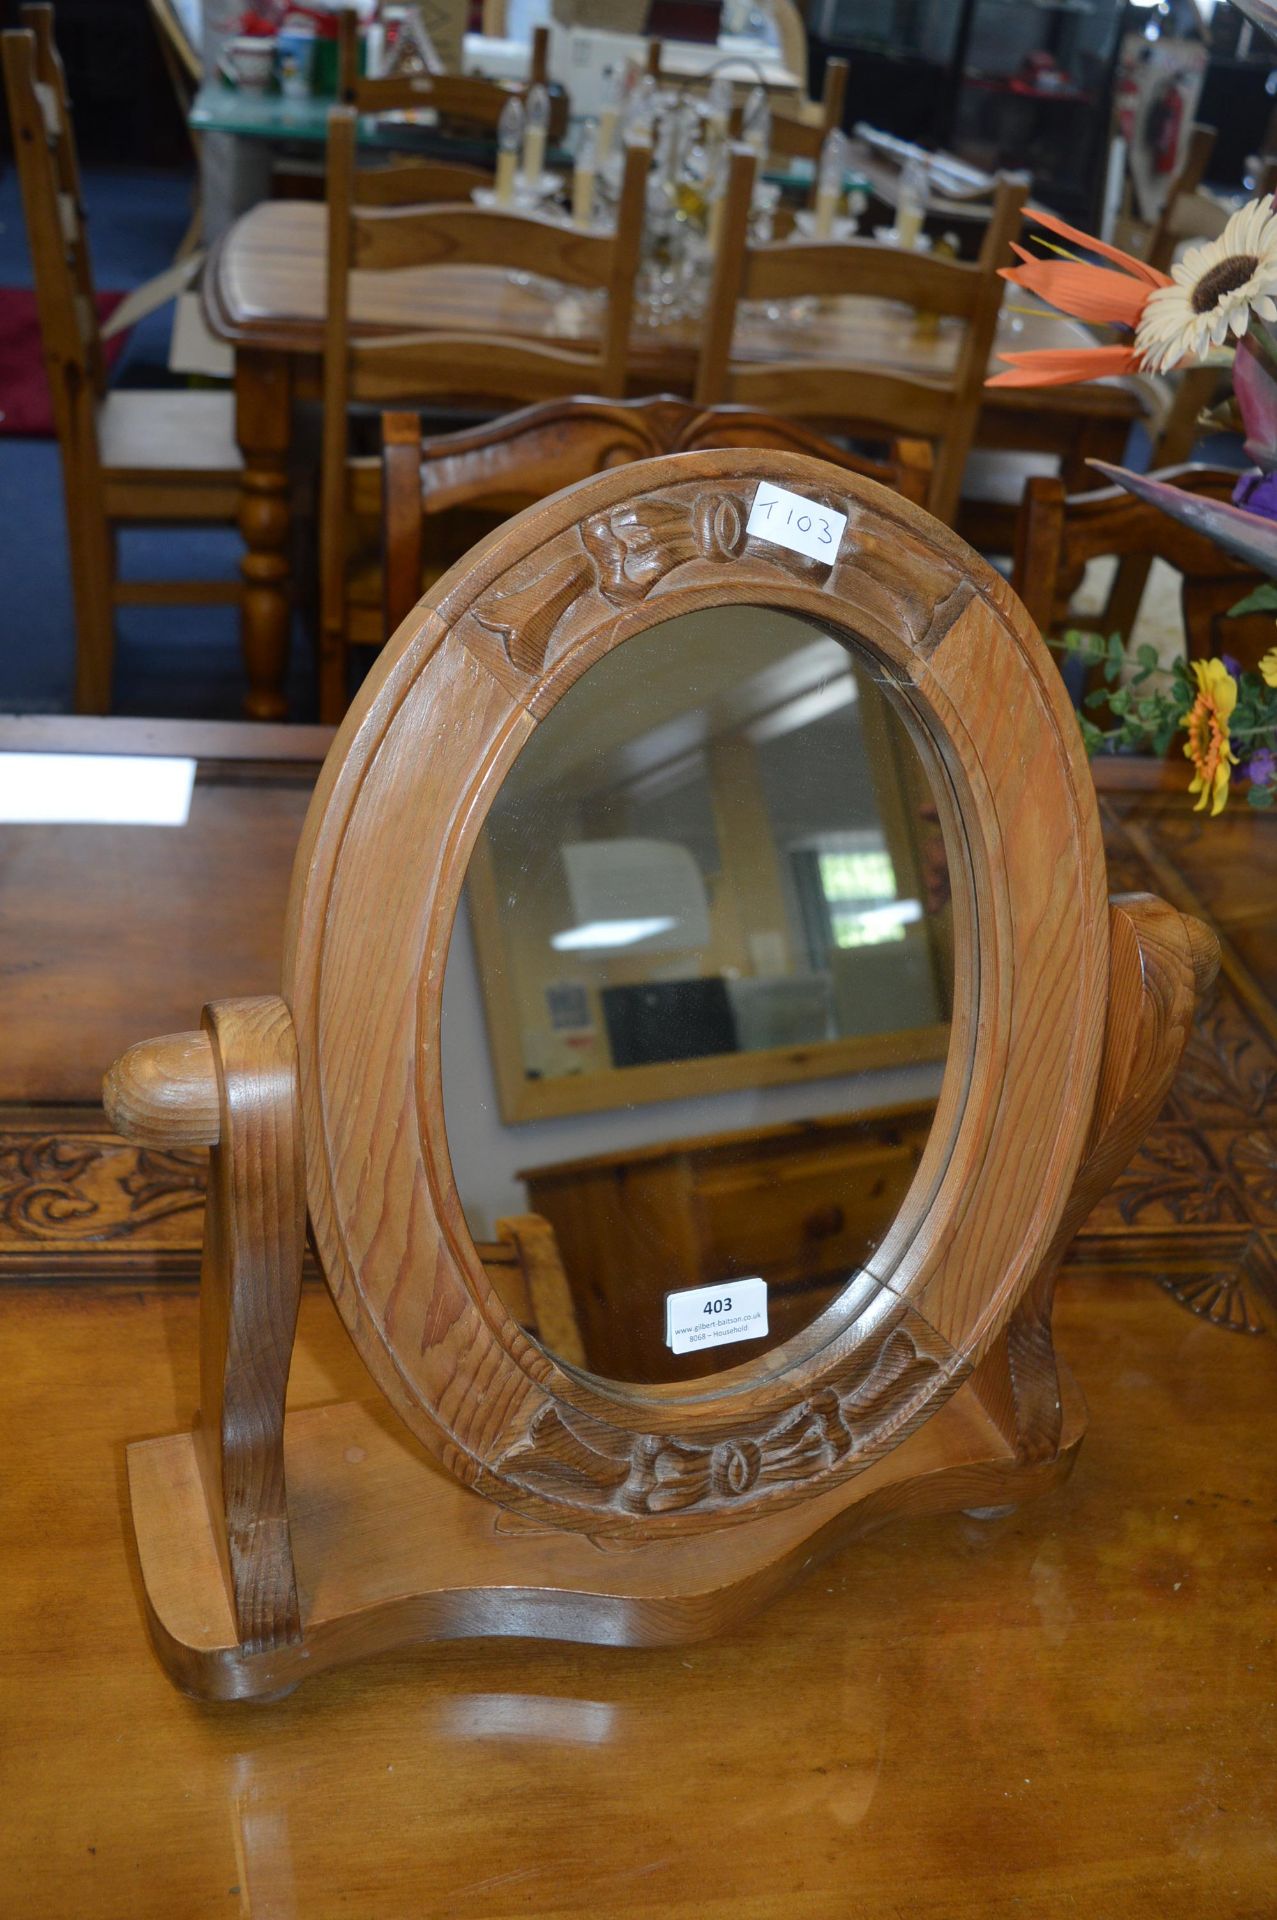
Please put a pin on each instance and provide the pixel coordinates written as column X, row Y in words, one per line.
column 526, row 1272
column 489, row 370
column 1058, row 534
column 801, row 135
column 159, row 458
column 510, row 463
column 465, row 99
column 939, row 404
column 403, row 182
column 185, row 70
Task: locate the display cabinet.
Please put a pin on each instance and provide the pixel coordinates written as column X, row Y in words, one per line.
column 1023, row 83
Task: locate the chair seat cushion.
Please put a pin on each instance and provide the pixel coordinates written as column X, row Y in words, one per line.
column 168, row 432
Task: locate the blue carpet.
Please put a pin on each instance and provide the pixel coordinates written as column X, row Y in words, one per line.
column 182, row 661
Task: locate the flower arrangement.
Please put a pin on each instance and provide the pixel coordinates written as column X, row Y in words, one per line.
column 1217, row 305
column 1228, row 715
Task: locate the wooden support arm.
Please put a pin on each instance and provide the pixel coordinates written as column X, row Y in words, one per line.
column 164, row 1093
column 1161, row 962
column 233, row 1087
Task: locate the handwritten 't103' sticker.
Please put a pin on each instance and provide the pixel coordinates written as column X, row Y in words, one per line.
column 787, row 520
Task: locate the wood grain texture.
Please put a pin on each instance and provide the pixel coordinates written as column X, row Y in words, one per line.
column 460, row 99
column 849, row 390
column 164, row 1093
column 1160, row 964
column 518, row 459
column 250, row 1284
column 498, row 1578
column 1195, row 1212
column 1068, row 1709
column 490, row 651
column 1057, row 535
column 800, row 1205
column 264, row 292
column 265, row 289
column 403, row 182
column 181, row 913
column 417, row 364
column 126, row 457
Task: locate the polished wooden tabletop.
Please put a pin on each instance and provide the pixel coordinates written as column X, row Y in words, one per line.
column 1066, row 1711
column 265, row 288
column 1071, row 1710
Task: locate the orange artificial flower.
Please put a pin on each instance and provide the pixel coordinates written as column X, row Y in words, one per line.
column 1113, row 295
column 1208, row 745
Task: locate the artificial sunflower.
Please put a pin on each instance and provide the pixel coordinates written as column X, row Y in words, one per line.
column 1117, row 295
column 1214, row 291
column 1208, row 745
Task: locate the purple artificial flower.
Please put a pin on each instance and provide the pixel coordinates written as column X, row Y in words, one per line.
column 1257, row 492
column 1231, row 665
column 1262, row 768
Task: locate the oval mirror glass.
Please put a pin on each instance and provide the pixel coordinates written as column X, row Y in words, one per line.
column 698, row 997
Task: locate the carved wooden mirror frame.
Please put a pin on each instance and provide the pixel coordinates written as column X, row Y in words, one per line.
column 929, row 1382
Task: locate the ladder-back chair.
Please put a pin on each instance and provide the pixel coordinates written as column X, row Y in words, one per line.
column 801, row 135
column 490, row 369
column 508, row 464
column 464, row 98
column 128, row 457
column 1059, row 534
column 940, row 405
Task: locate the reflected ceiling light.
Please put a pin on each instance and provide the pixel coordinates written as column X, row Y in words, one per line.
column 522, row 1716
column 894, row 913
column 597, row 935
column 804, row 709
column 95, row 789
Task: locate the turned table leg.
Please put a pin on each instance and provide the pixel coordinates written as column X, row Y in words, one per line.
column 263, row 428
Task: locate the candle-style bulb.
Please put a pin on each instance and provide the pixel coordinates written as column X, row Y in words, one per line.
column 587, row 158
column 756, row 123
column 640, row 111
column 510, row 126
column 509, row 143
column 830, row 174
column 536, row 110
column 537, row 107
column 718, row 102
column 911, row 206
column 610, row 112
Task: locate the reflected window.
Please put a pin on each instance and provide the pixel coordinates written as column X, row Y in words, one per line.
column 849, row 896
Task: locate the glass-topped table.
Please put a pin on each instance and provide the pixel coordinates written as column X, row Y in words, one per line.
column 270, row 116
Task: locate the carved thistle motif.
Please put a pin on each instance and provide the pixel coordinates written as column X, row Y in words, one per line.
column 622, row 555
column 635, row 546
column 577, row 1458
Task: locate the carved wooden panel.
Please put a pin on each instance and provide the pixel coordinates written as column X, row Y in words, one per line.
column 1197, row 1207
column 71, row 1198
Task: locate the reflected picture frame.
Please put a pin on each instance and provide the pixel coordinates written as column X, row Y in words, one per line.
column 525, row 1095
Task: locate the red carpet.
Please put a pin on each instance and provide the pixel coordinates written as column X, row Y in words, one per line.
column 25, row 405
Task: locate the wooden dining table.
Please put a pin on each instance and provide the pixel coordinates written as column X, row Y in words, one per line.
column 1063, row 1711
column 263, row 294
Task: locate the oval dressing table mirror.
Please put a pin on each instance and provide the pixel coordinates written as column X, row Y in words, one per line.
column 708, row 914
column 703, row 1029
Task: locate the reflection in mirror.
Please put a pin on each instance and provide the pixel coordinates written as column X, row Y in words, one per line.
column 708, row 923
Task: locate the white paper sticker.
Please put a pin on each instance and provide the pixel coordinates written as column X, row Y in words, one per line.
column 787, row 520
column 711, row 1316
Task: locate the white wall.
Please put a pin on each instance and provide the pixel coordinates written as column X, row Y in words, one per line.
column 486, row 1153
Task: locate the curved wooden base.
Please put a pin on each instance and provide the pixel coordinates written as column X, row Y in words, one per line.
column 391, row 1553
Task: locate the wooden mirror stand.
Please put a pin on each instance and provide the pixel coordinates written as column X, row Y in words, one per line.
column 615, row 1512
